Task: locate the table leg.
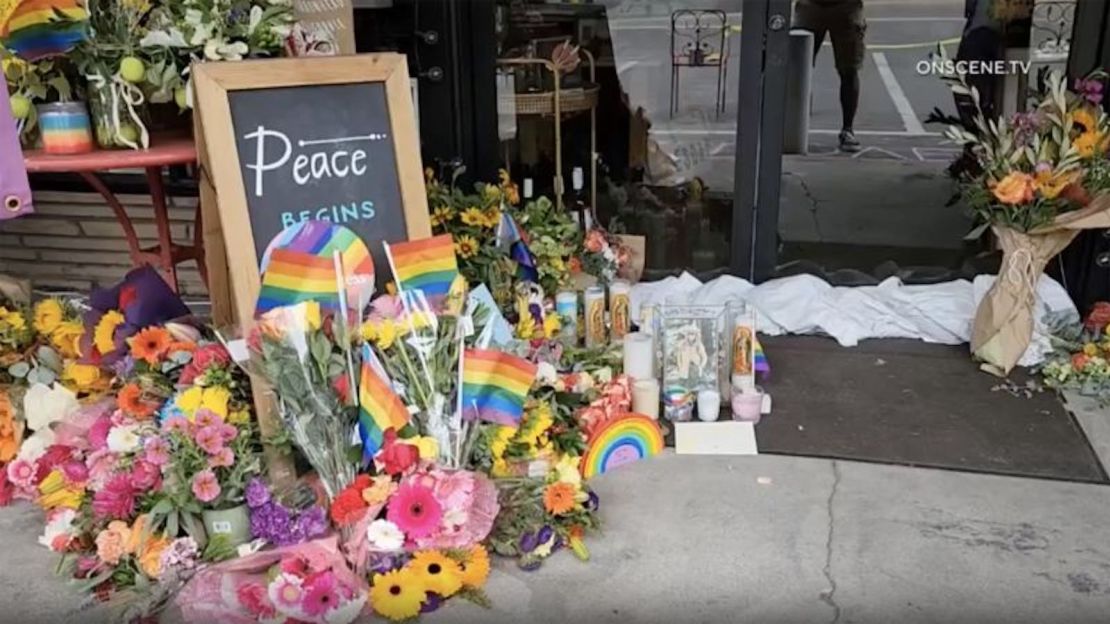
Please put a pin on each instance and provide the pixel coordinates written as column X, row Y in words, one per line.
column 162, row 223
column 121, row 215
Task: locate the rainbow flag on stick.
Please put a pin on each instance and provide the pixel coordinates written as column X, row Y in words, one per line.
column 294, row 276
column 494, row 386
column 379, row 407
column 426, row 265
column 762, row 366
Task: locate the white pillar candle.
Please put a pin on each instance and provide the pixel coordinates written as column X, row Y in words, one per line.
column 639, row 356
column 619, row 312
column 709, row 405
column 595, row 316
column 645, row 397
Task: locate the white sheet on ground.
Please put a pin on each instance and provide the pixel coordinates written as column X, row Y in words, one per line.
column 804, row 304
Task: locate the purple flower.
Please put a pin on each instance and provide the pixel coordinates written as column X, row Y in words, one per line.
column 545, row 534
column 1090, row 89
column 432, row 601
column 528, row 542
column 123, row 366
column 311, row 523
column 381, row 563
column 257, row 493
column 270, row 522
column 593, row 502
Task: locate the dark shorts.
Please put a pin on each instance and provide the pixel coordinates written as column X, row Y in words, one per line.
column 844, row 23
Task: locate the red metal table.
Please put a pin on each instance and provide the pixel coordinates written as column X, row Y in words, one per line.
column 166, row 255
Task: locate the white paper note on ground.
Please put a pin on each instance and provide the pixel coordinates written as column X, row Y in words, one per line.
column 726, row 437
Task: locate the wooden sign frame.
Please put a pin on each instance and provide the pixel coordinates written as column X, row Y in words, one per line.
column 233, row 272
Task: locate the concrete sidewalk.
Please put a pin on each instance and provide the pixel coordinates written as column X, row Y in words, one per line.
column 700, row 539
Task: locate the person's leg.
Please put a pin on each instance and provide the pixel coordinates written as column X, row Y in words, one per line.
column 811, row 18
column 847, row 33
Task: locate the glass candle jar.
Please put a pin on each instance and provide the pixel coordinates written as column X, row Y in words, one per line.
column 65, row 128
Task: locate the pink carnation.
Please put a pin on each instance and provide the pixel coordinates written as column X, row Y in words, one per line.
column 98, row 433
column 157, row 451
column 75, row 471
column 210, row 439
column 205, row 486
column 146, row 476
column 254, row 599
column 102, row 465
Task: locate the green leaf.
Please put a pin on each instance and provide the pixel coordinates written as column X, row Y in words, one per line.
column 19, row 370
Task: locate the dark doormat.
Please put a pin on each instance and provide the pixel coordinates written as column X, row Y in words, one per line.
column 918, row 404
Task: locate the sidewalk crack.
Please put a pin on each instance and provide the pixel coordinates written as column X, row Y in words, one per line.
column 829, row 596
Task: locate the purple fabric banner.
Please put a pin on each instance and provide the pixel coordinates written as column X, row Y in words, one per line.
column 15, row 190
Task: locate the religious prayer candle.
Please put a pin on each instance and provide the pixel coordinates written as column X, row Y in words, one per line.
column 639, row 356
column 65, row 128
column 645, row 397
column 619, row 314
column 743, row 350
column 595, row 316
column 566, row 306
column 709, row 405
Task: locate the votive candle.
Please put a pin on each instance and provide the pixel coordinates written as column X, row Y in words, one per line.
column 65, row 128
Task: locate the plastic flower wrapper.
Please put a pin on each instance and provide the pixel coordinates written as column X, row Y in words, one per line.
column 307, row 360
column 419, row 351
column 307, row 582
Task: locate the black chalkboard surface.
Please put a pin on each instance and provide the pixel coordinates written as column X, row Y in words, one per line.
column 322, row 152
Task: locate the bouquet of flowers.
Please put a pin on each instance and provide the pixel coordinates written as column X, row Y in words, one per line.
column 1081, row 359
column 1028, row 185
column 603, row 256
column 308, row 360
column 290, row 518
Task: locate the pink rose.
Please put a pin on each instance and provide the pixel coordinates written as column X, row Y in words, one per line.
column 111, row 542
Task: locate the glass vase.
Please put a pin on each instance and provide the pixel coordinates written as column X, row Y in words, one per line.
column 115, row 123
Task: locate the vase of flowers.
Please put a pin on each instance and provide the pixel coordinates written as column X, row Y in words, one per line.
column 232, row 524
column 117, row 115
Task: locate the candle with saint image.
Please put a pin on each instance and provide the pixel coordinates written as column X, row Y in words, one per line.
column 743, row 349
column 595, row 316
column 566, row 306
column 645, row 397
column 619, row 315
column 639, row 356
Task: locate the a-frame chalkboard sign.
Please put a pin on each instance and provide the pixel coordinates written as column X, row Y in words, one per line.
column 286, row 140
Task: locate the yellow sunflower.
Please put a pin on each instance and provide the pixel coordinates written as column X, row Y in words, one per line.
column 475, row 567
column 473, row 216
column 49, row 314
column 493, row 217
column 67, row 338
column 1088, row 143
column 466, row 247
column 442, row 215
column 437, row 572
column 104, row 334
column 397, row 595
column 1083, row 118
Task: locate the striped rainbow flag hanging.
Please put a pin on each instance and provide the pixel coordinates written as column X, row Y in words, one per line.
column 379, row 407
column 293, row 276
column 495, row 385
column 427, row 265
column 35, row 29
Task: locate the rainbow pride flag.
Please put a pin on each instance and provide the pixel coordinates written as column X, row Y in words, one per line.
column 35, row 29
column 426, row 265
column 379, row 407
column 293, row 276
column 762, row 366
column 494, row 386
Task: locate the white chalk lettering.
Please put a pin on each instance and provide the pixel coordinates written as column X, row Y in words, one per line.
column 309, row 165
column 260, row 165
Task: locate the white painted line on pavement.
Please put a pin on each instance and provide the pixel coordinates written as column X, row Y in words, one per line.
column 731, row 132
column 901, row 102
column 664, row 23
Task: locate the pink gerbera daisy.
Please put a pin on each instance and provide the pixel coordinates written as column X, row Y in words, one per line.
column 415, row 510
column 321, row 595
column 205, row 486
column 286, row 592
column 22, row 473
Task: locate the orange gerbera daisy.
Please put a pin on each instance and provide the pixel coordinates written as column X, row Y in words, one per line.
column 187, row 346
column 475, row 568
column 130, row 400
column 150, row 344
column 558, row 498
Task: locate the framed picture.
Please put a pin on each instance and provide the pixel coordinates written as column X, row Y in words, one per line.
column 695, row 344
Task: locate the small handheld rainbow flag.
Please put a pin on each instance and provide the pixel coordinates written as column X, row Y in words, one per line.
column 762, row 366
column 36, row 29
column 494, row 386
column 379, row 407
column 427, row 265
column 293, row 276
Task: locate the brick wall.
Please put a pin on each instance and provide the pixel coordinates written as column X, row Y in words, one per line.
column 73, row 241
